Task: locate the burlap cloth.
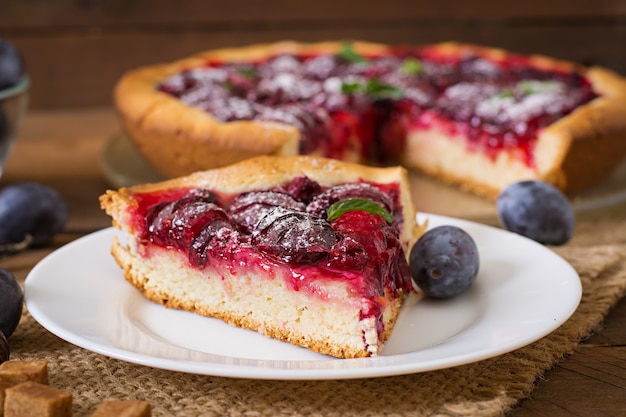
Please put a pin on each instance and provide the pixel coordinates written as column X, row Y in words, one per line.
column 487, row 388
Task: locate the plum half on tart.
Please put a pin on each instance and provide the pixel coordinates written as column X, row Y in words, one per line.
column 308, row 250
column 473, row 116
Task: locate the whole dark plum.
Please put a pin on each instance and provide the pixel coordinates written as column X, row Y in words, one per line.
column 30, row 210
column 11, row 302
column 537, row 210
column 444, row 262
column 11, row 65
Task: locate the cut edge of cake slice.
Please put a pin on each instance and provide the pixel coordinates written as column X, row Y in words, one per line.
column 317, row 311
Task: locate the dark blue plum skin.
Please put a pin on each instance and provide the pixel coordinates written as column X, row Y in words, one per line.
column 536, row 210
column 444, row 262
column 4, row 124
column 11, row 65
column 31, row 208
column 11, row 302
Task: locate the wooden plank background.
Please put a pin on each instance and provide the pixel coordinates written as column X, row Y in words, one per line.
column 77, row 49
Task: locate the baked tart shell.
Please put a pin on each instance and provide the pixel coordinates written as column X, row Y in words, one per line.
column 574, row 153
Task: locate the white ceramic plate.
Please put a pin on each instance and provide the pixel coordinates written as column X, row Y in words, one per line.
column 123, row 166
column 523, row 292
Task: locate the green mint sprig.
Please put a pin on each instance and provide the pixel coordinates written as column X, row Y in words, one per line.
column 341, row 207
column 412, row 66
column 348, row 54
column 373, row 88
column 246, row 72
column 528, row 87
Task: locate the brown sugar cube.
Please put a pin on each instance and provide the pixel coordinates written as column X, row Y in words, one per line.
column 15, row 372
column 123, row 409
column 32, row 399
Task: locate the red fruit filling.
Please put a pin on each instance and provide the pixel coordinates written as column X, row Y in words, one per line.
column 285, row 226
column 333, row 99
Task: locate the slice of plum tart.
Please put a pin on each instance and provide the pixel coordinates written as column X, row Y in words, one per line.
column 470, row 115
column 308, row 250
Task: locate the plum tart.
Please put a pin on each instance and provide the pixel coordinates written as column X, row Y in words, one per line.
column 308, row 250
column 473, row 116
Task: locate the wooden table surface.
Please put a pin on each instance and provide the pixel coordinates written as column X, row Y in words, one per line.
column 63, row 149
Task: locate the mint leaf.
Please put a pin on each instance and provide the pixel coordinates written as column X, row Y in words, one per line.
column 528, row 87
column 351, row 88
column 504, row 94
column 348, row 54
column 376, row 89
column 341, row 207
column 412, row 66
column 372, row 88
column 249, row 73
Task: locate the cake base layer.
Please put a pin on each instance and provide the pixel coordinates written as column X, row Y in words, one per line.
column 258, row 299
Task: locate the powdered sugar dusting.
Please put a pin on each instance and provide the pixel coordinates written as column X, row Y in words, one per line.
column 284, row 63
column 293, row 235
column 492, row 107
column 247, row 209
column 532, row 106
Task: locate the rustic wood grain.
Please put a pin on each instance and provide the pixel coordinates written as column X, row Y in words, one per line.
column 591, row 382
column 21, row 14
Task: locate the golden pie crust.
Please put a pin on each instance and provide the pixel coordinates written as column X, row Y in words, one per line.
column 270, row 172
column 573, row 153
